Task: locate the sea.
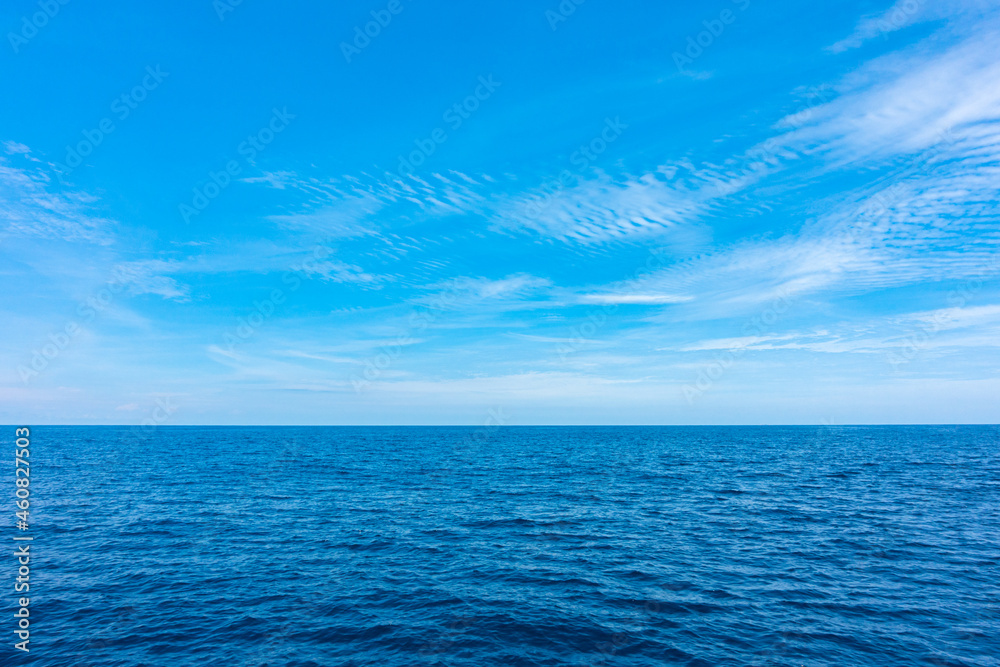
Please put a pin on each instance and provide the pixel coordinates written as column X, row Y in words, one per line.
column 305, row 546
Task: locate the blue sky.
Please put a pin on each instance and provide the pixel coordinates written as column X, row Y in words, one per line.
column 632, row 212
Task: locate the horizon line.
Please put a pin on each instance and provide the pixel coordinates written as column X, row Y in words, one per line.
column 493, row 425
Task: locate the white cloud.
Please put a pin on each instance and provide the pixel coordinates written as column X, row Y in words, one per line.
column 905, row 13
column 956, row 317
column 13, row 147
column 934, row 216
column 724, row 343
column 645, row 299
column 145, row 277
column 342, row 272
column 516, row 290
column 909, row 101
column 602, row 209
column 32, row 204
column 902, row 14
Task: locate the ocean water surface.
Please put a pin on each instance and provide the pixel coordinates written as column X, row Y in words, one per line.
column 515, row 546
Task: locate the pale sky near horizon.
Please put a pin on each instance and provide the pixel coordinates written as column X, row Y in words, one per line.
column 633, row 212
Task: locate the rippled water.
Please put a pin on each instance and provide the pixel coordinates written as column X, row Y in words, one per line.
column 518, row 546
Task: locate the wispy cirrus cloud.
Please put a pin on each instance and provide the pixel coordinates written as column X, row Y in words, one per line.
column 465, row 292
column 900, row 15
column 922, row 120
column 632, row 298
column 148, row 277
column 906, row 101
column 946, row 328
column 343, row 272
column 930, row 121
column 905, row 13
column 33, row 204
column 601, row 209
column 349, row 205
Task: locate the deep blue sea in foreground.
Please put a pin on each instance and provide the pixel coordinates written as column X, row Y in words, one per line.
column 516, row 546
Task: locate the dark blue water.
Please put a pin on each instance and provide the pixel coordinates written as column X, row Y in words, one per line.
column 518, row 546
